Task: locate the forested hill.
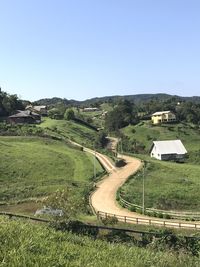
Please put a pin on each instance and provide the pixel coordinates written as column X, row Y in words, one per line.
column 133, row 98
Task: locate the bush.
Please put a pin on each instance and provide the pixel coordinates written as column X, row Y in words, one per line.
column 132, row 208
column 120, row 163
column 109, row 220
column 166, row 216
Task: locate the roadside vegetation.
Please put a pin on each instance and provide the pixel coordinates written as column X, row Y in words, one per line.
column 39, row 245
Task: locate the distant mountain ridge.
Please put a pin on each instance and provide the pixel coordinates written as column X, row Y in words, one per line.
column 134, row 98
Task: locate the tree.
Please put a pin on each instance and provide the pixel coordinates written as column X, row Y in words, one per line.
column 101, row 140
column 9, row 103
column 55, row 113
column 69, row 114
column 123, row 114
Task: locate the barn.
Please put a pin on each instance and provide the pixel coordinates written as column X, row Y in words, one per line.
column 168, row 150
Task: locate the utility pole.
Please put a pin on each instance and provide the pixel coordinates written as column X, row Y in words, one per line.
column 143, row 189
column 121, row 147
column 94, row 163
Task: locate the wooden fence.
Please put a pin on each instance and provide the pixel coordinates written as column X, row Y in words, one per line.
column 150, row 221
column 172, row 214
column 82, row 227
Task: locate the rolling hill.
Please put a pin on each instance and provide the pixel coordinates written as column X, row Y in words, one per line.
column 33, row 167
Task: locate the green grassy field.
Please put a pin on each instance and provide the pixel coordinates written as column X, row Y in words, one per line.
column 71, row 130
column 168, row 185
column 38, row 245
column 34, row 167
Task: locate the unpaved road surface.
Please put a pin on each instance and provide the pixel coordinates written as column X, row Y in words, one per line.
column 104, row 198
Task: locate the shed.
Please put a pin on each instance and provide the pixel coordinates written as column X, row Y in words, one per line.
column 168, row 150
column 24, row 117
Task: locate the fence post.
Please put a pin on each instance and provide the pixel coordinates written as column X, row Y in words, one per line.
column 98, row 214
column 136, row 220
column 180, row 225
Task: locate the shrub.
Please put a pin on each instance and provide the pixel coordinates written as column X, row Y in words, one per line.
column 166, row 216
column 109, row 220
column 120, row 163
column 132, row 208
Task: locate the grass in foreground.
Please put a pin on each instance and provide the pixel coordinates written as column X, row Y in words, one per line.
column 38, row 245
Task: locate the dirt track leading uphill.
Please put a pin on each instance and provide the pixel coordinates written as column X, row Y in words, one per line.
column 104, row 198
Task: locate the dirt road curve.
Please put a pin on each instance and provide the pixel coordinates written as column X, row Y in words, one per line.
column 104, row 198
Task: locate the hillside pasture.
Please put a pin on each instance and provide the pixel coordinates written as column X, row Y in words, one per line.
column 146, row 133
column 168, row 186
column 74, row 131
column 33, row 167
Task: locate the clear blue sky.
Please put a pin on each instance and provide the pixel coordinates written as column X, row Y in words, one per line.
column 85, row 48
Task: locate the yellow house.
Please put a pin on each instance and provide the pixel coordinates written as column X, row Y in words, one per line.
column 163, row 117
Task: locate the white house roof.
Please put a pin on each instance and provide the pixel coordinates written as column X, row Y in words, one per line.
column 169, row 147
column 161, row 112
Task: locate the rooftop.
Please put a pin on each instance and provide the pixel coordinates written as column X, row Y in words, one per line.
column 169, row 147
column 161, row 112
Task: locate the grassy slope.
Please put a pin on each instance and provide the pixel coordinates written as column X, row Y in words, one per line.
column 36, row 166
column 69, row 129
column 168, row 185
column 38, row 245
column 146, row 133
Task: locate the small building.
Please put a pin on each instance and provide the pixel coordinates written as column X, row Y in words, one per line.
column 163, row 117
column 26, row 116
column 42, row 110
column 168, row 150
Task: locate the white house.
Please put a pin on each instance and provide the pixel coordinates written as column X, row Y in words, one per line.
column 168, row 150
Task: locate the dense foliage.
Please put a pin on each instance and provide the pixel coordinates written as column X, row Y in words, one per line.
column 9, row 103
column 123, row 114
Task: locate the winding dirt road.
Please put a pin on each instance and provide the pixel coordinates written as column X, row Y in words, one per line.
column 104, row 198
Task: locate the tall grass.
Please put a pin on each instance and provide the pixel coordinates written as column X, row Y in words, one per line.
column 30, row 245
